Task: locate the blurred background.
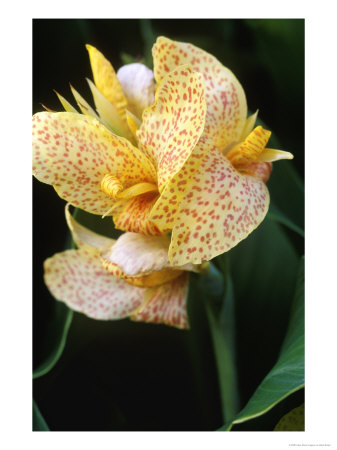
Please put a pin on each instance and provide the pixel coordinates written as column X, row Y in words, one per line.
column 132, row 376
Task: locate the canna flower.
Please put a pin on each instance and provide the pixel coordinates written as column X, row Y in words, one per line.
column 226, row 198
column 197, row 174
column 111, row 279
column 119, row 98
column 103, row 173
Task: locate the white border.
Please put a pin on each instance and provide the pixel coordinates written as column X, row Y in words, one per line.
column 321, row 166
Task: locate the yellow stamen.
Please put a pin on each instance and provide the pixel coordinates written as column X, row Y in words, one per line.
column 113, row 187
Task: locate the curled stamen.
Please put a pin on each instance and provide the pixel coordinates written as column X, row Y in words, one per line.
column 113, row 187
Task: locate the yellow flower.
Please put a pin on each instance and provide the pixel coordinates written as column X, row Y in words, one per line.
column 198, row 174
column 102, row 173
column 130, row 277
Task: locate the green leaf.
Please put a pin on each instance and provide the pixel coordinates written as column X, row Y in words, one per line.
column 287, row 375
column 55, row 339
column 278, row 216
column 39, row 424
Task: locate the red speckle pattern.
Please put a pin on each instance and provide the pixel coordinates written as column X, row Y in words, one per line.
column 74, row 152
column 166, row 304
column 77, row 278
column 133, row 215
column 172, row 126
column 219, row 209
column 166, row 208
column 261, row 170
column 225, row 97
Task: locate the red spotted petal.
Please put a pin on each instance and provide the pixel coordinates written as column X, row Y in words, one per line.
column 172, row 126
column 165, row 304
column 220, row 208
column 77, row 278
column 134, row 215
column 73, row 153
column 165, row 210
column 225, row 97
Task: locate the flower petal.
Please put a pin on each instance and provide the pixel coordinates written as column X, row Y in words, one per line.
column 77, row 278
column 225, row 97
column 249, row 125
column 165, row 304
column 73, row 153
column 137, row 254
column 261, row 170
column 109, row 113
column 251, row 148
column 221, row 207
column 138, row 87
column 172, row 126
column 106, row 80
column 270, row 155
column 66, row 105
column 133, row 215
column 165, row 210
column 82, row 236
column 84, row 106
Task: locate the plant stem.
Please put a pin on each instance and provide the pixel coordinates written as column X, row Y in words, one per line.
column 221, row 321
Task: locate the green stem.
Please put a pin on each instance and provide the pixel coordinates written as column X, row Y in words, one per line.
column 221, row 321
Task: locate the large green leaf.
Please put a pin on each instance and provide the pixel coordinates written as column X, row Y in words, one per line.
column 39, row 424
column 287, row 375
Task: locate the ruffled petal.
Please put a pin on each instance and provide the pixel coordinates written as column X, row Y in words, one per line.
column 165, row 210
column 138, row 86
column 225, row 97
column 165, row 304
column 106, row 80
column 172, row 126
column 137, row 254
column 261, row 170
column 134, row 215
column 151, row 267
column 83, row 237
column 73, row 153
column 220, row 208
column 77, row 278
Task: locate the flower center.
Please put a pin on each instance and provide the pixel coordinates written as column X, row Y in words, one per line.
column 113, row 188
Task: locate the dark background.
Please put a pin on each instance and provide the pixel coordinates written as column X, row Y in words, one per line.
column 132, row 376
